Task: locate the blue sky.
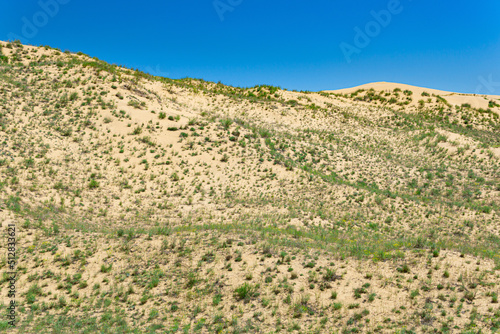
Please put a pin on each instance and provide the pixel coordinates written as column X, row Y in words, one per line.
column 450, row 45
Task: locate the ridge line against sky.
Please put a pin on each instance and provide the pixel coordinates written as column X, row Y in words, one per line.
column 320, row 45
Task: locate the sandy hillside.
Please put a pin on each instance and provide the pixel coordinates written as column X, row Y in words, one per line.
column 144, row 204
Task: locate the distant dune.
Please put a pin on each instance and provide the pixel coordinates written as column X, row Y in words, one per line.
column 476, row 101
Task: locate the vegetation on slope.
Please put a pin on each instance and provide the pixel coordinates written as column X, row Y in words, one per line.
column 149, row 204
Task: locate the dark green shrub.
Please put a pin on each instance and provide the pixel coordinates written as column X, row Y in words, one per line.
column 245, row 292
column 93, row 184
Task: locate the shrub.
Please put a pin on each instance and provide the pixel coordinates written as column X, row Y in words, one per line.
column 217, row 299
column 310, row 264
column 136, row 104
column 330, row 275
column 245, row 292
column 404, row 269
column 33, row 291
column 191, row 280
column 106, row 269
column 469, row 295
column 137, row 131
column 264, row 133
column 226, row 123
column 162, row 115
column 302, row 307
column 93, row 184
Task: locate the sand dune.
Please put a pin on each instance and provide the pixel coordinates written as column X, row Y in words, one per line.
column 144, row 204
column 476, row 101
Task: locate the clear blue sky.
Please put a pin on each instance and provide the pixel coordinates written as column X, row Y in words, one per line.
column 294, row 44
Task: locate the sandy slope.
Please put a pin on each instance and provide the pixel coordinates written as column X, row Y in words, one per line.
column 143, row 203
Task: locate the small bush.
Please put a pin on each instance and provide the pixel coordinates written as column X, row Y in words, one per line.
column 106, row 269
column 245, row 292
column 137, row 131
column 404, row 269
column 93, row 184
column 226, row 123
column 330, row 275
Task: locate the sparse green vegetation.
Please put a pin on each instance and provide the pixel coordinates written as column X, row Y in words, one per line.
column 192, row 206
